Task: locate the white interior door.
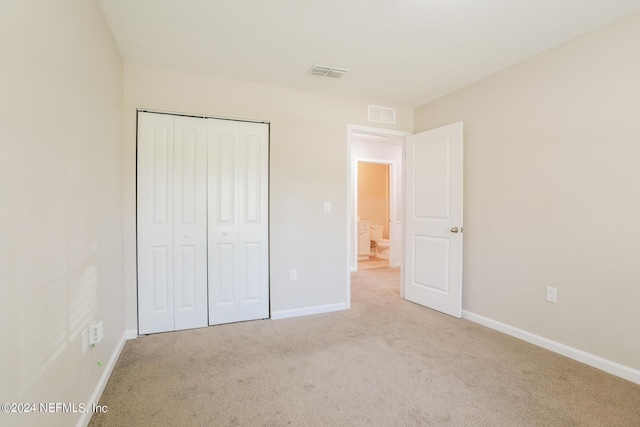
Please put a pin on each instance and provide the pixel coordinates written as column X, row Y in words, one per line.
column 172, row 239
column 238, row 221
column 433, row 240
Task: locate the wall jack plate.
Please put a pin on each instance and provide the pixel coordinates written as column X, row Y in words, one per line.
column 552, row 294
column 95, row 333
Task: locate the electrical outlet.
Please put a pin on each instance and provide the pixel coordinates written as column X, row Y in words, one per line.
column 85, row 341
column 293, row 275
column 95, row 333
column 552, row 294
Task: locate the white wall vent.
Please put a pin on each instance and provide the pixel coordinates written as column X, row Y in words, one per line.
column 321, row 70
column 382, row 114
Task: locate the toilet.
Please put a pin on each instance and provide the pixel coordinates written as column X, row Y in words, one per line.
column 382, row 245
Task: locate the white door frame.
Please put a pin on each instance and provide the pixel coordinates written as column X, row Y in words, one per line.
column 351, row 209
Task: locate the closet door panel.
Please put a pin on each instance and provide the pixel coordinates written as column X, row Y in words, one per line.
column 238, row 221
column 253, row 262
column 155, row 219
column 222, row 203
column 190, row 222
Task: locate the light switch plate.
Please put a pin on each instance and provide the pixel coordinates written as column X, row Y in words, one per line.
column 327, row 207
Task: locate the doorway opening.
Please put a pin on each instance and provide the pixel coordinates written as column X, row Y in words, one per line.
column 373, row 205
column 385, row 147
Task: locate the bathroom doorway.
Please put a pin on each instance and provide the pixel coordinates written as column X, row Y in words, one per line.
column 371, row 145
column 374, row 214
column 380, row 146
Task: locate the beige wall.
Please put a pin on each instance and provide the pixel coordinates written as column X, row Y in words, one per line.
column 61, row 209
column 373, row 194
column 552, row 148
column 308, row 166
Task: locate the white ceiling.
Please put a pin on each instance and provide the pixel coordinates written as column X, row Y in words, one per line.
column 399, row 52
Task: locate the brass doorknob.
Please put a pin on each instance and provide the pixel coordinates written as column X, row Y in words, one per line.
column 454, row 230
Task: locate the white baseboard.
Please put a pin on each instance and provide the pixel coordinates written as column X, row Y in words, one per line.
column 97, row 393
column 296, row 312
column 598, row 362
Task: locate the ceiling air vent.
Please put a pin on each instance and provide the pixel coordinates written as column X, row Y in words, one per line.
column 382, row 114
column 321, row 70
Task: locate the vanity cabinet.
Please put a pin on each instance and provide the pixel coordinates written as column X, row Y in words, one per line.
column 364, row 239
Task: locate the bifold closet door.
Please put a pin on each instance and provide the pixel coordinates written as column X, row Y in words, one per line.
column 172, row 229
column 238, row 221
